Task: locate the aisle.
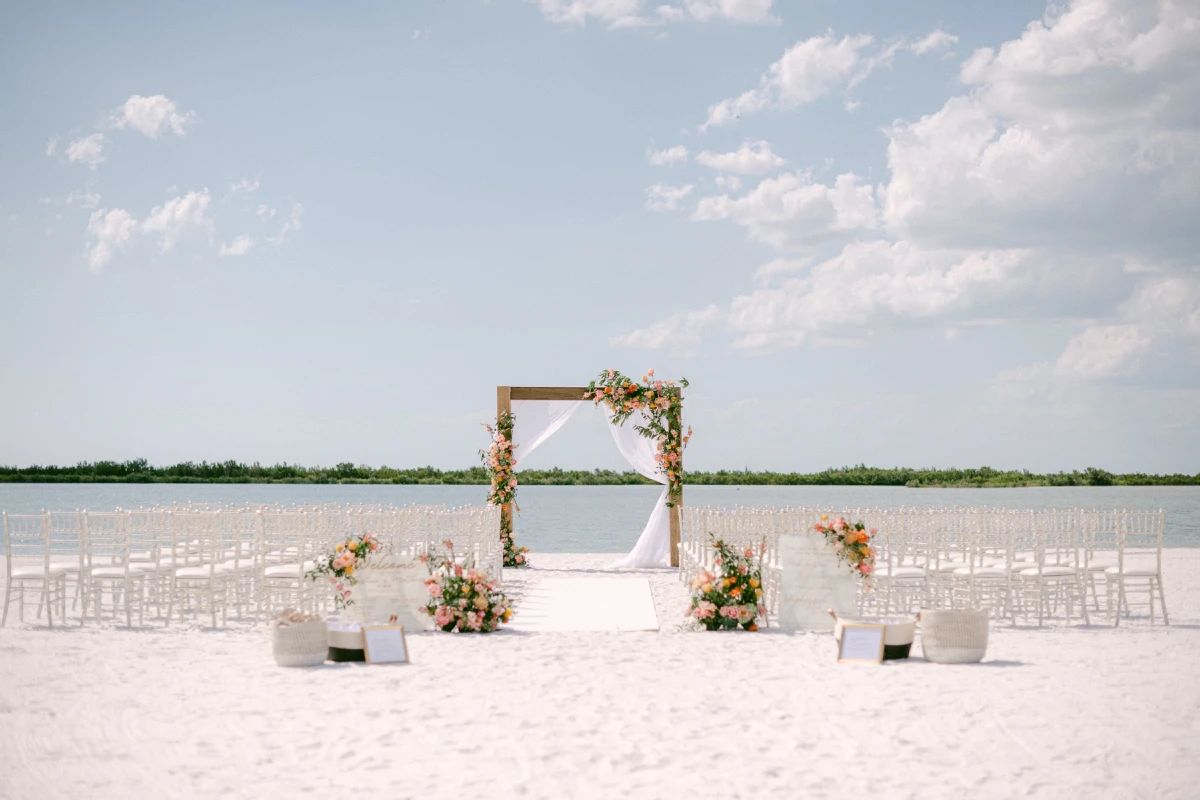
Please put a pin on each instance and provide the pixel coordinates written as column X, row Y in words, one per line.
column 585, row 604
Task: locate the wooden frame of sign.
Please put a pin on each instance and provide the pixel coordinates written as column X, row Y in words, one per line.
column 504, row 397
column 862, row 650
column 385, row 655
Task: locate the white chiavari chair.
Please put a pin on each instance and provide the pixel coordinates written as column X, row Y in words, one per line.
column 1058, row 578
column 109, row 544
column 28, row 567
column 1139, row 564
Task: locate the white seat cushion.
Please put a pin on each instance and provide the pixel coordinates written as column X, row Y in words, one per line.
column 902, row 572
column 195, row 573
column 141, row 555
column 950, row 566
column 1048, row 572
column 108, row 572
column 983, row 572
column 287, row 570
column 38, row 571
column 142, row 567
column 1133, row 572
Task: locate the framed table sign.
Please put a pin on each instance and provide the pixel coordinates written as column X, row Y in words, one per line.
column 384, row 644
column 861, row 644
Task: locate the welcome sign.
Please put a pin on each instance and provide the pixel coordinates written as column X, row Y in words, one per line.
column 390, row 587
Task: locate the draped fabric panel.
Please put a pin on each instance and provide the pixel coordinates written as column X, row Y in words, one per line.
column 653, row 547
column 535, row 421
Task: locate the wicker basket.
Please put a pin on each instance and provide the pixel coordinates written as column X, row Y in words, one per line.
column 954, row 637
column 301, row 645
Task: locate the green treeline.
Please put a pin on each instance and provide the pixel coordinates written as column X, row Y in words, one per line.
column 139, row 471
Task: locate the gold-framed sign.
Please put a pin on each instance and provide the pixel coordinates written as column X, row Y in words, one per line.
column 384, row 644
column 861, row 643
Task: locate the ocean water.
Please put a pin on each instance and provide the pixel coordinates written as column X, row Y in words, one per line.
column 608, row 519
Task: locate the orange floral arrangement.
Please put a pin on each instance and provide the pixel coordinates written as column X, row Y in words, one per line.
column 852, row 542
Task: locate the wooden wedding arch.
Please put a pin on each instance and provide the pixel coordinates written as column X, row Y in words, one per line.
column 504, row 397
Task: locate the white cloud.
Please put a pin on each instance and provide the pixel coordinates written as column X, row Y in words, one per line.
column 1062, row 185
column 177, row 217
column 730, row 183
column 1082, row 132
column 113, row 231
column 661, row 197
column 151, row 116
column 774, row 269
column 808, row 70
column 85, row 199
column 680, row 332
column 52, row 145
column 616, row 13
column 934, row 41
column 1159, row 323
column 88, row 150
column 791, row 210
column 746, row 11
column 244, row 185
column 238, row 247
column 422, row 32
column 749, row 159
column 265, row 212
column 671, row 155
column 290, row 225
column 634, row 14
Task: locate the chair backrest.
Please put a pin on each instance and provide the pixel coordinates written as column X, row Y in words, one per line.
column 107, row 543
column 25, row 542
column 1139, row 542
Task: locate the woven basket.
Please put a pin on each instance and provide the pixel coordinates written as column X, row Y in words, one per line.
column 954, row 637
column 302, row 645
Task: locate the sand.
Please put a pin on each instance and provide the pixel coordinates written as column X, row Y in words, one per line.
column 104, row 712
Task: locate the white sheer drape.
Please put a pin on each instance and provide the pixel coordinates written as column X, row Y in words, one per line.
column 535, row 421
column 653, row 547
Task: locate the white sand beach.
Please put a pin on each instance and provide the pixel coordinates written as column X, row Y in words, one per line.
column 105, row 712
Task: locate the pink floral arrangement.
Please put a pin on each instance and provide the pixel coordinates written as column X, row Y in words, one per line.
column 338, row 567
column 499, row 462
column 733, row 598
column 852, row 542
column 662, row 403
column 462, row 598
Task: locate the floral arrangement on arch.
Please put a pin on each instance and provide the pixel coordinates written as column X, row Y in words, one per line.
column 852, row 541
column 733, row 598
column 338, row 567
column 662, row 403
column 461, row 598
column 499, row 462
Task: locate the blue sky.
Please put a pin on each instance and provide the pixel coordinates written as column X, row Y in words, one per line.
column 922, row 234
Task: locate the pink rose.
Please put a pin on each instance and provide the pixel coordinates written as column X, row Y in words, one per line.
column 435, row 589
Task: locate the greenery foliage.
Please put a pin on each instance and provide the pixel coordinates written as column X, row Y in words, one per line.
column 139, row 471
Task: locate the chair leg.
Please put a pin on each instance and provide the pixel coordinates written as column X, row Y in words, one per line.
column 1162, row 598
column 7, row 598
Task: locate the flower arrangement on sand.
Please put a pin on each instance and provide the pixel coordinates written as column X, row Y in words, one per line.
column 732, row 598
column 499, row 463
column 852, row 541
column 338, row 567
column 461, row 598
column 662, row 403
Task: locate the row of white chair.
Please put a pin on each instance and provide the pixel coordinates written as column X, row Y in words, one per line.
column 170, row 560
column 1021, row 564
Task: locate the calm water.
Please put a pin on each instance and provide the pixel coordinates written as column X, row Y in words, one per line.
column 608, row 519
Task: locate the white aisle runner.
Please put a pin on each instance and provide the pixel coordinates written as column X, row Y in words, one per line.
column 586, row 604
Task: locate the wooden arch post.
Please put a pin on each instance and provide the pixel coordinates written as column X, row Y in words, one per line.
column 504, row 397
